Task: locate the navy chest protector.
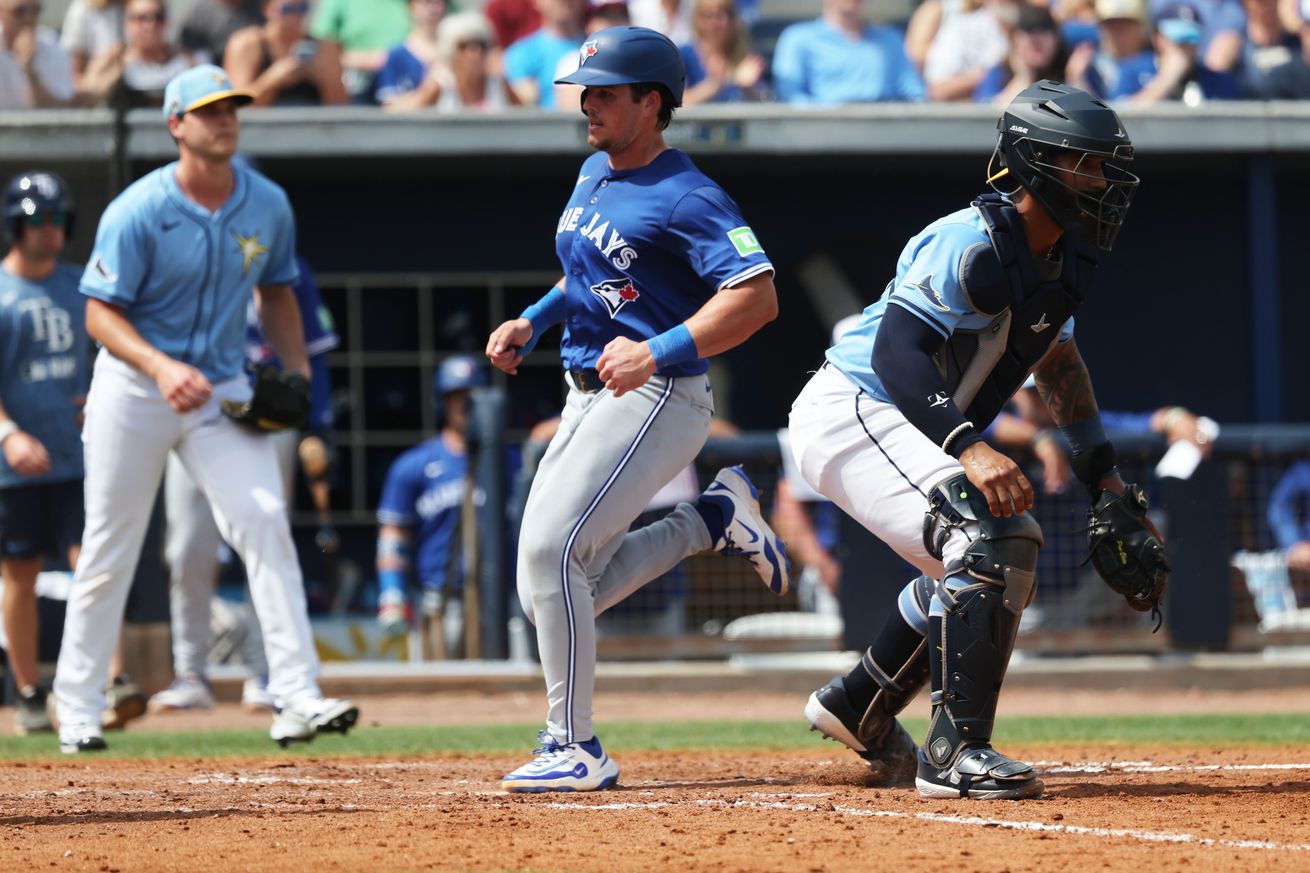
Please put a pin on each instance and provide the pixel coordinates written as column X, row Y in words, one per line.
column 983, row 368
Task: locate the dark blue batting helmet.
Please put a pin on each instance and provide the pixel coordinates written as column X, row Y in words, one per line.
column 629, row 55
column 36, row 192
column 459, row 372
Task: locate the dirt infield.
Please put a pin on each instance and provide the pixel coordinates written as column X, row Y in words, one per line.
column 1170, row 809
column 1114, row 808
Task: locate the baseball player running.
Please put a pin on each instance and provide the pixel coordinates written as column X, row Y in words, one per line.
column 176, row 259
column 43, row 376
column 192, row 541
column 888, row 429
column 419, row 516
column 660, row 272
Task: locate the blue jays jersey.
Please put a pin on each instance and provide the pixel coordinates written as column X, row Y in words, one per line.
column 931, row 284
column 184, row 275
column 43, row 366
column 643, row 250
column 320, row 338
column 424, row 492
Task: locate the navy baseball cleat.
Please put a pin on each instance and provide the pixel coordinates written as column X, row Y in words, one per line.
column 572, row 767
column 745, row 532
column 891, row 753
column 980, row 773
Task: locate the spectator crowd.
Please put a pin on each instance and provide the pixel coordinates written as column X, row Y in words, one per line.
column 489, row 55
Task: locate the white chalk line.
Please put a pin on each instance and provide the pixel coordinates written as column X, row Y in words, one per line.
column 970, row 821
column 1149, row 767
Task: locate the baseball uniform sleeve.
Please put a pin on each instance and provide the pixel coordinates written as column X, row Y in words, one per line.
column 118, row 262
column 401, row 491
column 320, row 331
column 281, row 268
column 718, row 244
column 935, row 285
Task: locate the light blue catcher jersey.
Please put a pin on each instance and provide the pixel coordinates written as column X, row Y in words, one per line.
column 643, row 250
column 43, row 366
column 929, row 283
column 424, row 492
column 182, row 275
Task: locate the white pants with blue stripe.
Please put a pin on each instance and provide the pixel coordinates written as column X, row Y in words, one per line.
column 576, row 557
column 864, row 456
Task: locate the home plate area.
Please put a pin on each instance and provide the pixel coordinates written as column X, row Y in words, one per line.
column 1113, row 809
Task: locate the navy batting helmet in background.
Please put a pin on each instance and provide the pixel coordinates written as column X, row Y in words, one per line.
column 456, row 373
column 629, row 55
column 36, row 192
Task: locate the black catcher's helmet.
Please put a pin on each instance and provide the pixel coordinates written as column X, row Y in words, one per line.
column 36, row 192
column 1049, row 118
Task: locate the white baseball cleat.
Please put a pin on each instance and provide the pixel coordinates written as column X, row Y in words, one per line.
column 572, row 767
column 745, row 532
column 301, row 721
column 187, row 693
column 255, row 694
column 75, row 738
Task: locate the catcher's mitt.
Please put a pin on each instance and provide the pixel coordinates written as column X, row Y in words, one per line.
column 1126, row 549
column 280, row 401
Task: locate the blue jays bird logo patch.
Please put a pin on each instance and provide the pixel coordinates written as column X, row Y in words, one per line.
column 587, row 51
column 616, row 294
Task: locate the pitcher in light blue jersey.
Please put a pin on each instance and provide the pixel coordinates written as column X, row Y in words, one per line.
column 177, row 257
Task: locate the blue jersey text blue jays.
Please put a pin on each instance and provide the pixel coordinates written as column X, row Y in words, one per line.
column 43, row 368
column 931, row 282
column 643, row 250
column 184, row 275
column 424, row 492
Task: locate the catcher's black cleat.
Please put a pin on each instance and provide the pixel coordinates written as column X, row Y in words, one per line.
column 981, row 773
column 890, row 752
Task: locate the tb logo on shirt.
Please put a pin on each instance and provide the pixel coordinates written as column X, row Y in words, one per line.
column 51, row 324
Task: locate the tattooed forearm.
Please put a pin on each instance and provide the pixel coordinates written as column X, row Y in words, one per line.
column 1065, row 385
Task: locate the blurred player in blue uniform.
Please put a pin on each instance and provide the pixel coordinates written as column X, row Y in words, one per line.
column 660, row 273
column 43, row 382
column 419, row 518
column 191, row 547
column 890, row 429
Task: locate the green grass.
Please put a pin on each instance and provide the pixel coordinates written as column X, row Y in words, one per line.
column 1217, row 730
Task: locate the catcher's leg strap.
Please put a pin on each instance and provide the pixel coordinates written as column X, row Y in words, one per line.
column 897, row 662
column 972, row 624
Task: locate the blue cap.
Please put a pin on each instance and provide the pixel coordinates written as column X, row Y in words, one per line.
column 628, row 55
column 200, row 86
column 460, row 372
column 1179, row 21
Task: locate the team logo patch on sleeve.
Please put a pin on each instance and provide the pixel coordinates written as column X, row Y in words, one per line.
column 100, row 269
column 616, row 293
column 744, row 241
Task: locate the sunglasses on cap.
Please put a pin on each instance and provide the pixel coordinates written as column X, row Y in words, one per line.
column 57, row 219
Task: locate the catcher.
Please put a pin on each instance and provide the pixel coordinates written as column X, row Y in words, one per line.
column 890, row 427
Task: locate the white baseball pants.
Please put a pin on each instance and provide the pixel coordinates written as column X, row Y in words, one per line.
column 128, row 434
column 864, row 456
column 191, row 543
column 576, row 557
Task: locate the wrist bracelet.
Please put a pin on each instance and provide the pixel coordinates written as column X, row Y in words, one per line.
column 8, row 429
column 955, row 434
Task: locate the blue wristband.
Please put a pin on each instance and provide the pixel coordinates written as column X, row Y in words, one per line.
column 547, row 312
column 674, row 346
column 1084, row 435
